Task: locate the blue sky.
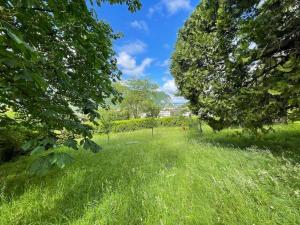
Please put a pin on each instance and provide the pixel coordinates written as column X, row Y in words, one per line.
column 149, row 38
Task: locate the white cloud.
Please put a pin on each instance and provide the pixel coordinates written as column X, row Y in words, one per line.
column 165, row 63
column 155, row 9
column 129, row 66
column 166, row 46
column 139, row 24
column 125, row 60
column 171, row 6
column 169, row 87
column 134, row 48
column 128, row 63
column 178, row 100
column 165, row 78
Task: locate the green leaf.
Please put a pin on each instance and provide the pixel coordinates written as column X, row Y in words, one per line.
column 274, row 92
column 27, row 145
column 288, row 66
column 71, row 143
column 37, row 150
column 40, row 167
column 14, row 37
column 246, row 59
column 90, row 145
column 39, row 80
column 284, row 69
column 61, row 159
column 18, row 39
column 217, row 118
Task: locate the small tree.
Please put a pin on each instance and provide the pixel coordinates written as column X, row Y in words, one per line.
column 106, row 123
column 200, row 126
column 151, row 124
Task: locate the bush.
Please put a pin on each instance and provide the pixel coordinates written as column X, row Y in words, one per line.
column 173, row 121
column 147, row 123
column 11, row 140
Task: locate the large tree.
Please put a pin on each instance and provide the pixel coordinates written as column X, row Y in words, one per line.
column 56, row 62
column 238, row 62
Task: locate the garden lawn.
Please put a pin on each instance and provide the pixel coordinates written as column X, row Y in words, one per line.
column 177, row 177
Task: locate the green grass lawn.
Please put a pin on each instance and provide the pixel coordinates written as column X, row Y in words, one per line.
column 177, row 177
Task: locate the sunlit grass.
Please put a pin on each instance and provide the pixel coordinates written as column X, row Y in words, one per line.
column 177, row 177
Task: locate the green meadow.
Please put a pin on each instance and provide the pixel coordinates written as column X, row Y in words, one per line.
column 176, row 177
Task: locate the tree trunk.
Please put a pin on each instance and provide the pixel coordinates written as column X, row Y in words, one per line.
column 200, row 127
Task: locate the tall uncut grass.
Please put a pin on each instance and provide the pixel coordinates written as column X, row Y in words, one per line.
column 176, row 177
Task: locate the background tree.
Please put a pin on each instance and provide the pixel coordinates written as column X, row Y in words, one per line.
column 151, row 109
column 181, row 110
column 142, row 96
column 56, row 61
column 238, row 63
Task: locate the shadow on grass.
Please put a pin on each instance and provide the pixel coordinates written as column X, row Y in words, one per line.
column 284, row 141
column 85, row 185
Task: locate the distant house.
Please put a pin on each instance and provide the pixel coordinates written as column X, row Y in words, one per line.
column 143, row 115
column 165, row 113
column 187, row 114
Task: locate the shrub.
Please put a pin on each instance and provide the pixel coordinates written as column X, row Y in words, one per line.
column 173, row 121
column 11, row 140
column 147, row 123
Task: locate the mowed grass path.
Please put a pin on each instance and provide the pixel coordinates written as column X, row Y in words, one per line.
column 177, row 177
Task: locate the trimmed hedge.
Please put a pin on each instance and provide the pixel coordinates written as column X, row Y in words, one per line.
column 144, row 123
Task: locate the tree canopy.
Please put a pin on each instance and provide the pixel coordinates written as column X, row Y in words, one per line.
column 56, row 62
column 238, row 62
column 142, row 96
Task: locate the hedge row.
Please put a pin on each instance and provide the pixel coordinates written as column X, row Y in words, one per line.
column 144, row 123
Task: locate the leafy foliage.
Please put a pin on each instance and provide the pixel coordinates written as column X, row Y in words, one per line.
column 152, row 124
column 56, row 63
column 142, row 96
column 238, row 63
column 106, row 123
column 42, row 165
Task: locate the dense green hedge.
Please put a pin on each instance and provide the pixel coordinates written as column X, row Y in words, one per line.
column 144, row 123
